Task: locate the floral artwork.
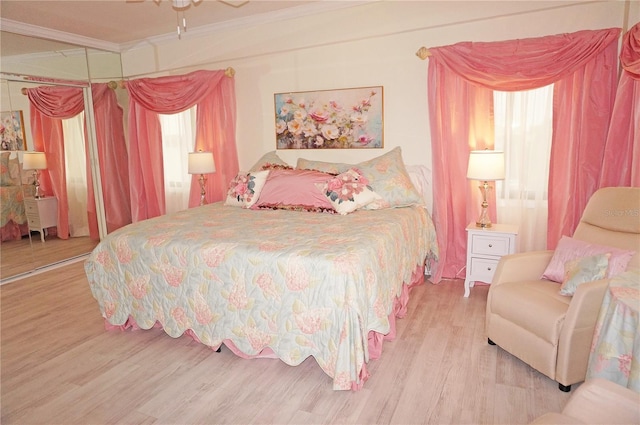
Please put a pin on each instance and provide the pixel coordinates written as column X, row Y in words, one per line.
column 12, row 137
column 330, row 119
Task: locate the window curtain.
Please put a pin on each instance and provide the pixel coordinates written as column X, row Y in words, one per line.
column 214, row 94
column 462, row 77
column 48, row 106
column 112, row 157
column 76, row 172
column 523, row 131
column 177, row 141
column 621, row 163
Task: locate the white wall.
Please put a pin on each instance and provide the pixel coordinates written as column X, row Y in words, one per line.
column 370, row 44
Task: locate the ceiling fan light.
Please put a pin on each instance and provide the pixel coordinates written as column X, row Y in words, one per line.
column 181, row 4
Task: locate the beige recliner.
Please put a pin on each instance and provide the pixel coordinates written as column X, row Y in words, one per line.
column 526, row 315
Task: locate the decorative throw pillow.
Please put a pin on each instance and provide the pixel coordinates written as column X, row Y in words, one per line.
column 571, row 249
column 326, row 167
column 388, row 178
column 581, row 270
column 348, row 191
column 268, row 159
column 294, row 189
column 244, row 189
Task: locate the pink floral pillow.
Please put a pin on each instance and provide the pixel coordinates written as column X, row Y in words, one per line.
column 348, row 191
column 571, row 249
column 244, row 190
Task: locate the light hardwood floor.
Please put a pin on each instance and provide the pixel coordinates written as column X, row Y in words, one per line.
column 21, row 256
column 59, row 366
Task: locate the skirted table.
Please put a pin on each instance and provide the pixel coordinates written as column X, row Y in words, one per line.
column 615, row 350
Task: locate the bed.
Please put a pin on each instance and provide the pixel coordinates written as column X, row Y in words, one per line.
column 13, row 218
column 268, row 281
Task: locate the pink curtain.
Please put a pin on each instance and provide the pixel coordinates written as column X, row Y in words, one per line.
column 461, row 78
column 214, row 94
column 112, row 157
column 621, row 163
column 49, row 105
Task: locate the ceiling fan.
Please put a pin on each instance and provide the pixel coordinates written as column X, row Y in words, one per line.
column 181, row 5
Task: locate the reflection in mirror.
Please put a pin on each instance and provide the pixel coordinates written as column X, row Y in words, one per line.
column 15, row 245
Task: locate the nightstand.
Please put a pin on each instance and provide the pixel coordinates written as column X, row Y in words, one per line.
column 42, row 213
column 485, row 246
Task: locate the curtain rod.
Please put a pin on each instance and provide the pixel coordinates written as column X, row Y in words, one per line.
column 423, row 53
column 229, row 72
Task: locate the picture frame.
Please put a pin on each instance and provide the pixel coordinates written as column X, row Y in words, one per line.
column 350, row 118
column 12, row 132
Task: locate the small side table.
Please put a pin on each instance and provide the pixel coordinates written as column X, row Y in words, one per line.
column 485, row 247
column 42, row 213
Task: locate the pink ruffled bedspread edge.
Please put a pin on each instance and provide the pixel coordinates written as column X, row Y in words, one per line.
column 375, row 339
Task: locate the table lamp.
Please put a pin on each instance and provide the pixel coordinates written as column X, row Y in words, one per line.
column 35, row 161
column 485, row 166
column 201, row 163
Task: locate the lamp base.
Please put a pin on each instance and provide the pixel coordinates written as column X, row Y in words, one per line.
column 203, row 193
column 483, row 220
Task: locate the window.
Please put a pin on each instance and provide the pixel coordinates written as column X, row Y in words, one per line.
column 523, row 129
column 178, row 139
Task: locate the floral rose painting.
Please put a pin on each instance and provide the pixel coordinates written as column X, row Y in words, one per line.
column 330, row 119
column 12, row 131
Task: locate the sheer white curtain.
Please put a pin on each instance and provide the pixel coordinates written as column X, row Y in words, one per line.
column 178, row 139
column 76, row 171
column 523, row 128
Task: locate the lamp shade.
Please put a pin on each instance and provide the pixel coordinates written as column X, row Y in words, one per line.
column 486, row 165
column 201, row 163
column 34, row 161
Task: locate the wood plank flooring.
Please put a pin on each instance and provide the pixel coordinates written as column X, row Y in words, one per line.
column 22, row 256
column 59, row 366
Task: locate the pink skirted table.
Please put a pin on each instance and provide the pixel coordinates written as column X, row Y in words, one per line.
column 615, row 350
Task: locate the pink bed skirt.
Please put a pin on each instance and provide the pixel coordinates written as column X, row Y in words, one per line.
column 375, row 339
column 13, row 231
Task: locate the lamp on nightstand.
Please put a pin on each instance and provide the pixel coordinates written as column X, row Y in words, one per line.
column 485, row 166
column 35, row 161
column 202, row 163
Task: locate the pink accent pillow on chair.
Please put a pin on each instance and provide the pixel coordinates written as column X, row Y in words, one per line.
column 570, row 249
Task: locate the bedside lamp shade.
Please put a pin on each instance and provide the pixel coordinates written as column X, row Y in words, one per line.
column 485, row 166
column 34, row 161
column 201, row 163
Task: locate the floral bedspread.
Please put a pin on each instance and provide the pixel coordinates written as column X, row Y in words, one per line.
column 12, row 205
column 302, row 284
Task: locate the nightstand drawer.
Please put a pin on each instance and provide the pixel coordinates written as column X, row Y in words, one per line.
column 490, row 245
column 483, row 269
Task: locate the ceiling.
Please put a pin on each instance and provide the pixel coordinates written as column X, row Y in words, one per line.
column 117, row 24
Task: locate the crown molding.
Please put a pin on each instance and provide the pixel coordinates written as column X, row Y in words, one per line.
column 51, row 34
column 264, row 18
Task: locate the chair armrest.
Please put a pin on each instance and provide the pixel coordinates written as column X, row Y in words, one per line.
column 576, row 336
column 522, row 266
column 599, row 401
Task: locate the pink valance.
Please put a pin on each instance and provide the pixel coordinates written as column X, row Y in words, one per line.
column 214, row 94
column 630, row 52
column 524, row 64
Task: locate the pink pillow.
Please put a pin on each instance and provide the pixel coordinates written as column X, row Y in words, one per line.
column 348, row 191
column 570, row 249
column 287, row 188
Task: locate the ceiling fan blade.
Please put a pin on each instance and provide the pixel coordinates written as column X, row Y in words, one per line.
column 234, row 3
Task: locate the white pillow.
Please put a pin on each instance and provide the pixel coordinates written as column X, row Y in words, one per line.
column 244, row 190
column 348, row 191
